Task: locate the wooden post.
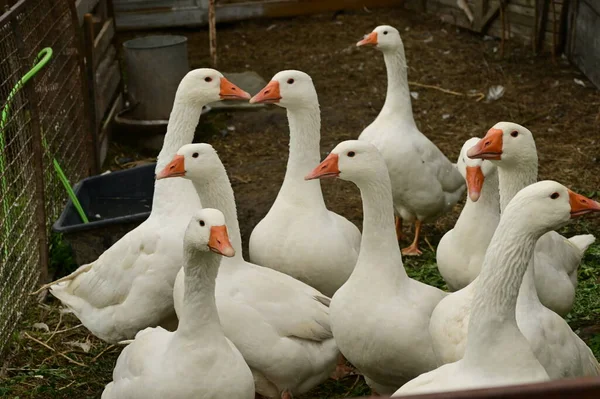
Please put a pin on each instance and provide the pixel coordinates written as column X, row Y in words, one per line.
column 90, row 76
column 212, row 31
column 37, row 159
column 88, row 114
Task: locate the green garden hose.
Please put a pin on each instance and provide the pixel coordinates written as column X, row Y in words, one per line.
column 41, row 60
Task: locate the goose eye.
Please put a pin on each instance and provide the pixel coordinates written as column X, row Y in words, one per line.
column 514, row 133
column 351, row 154
column 207, row 79
column 290, row 81
column 195, row 155
column 202, row 223
column 555, row 195
column 385, row 32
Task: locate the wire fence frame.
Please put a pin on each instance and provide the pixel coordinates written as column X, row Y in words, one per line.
column 44, row 120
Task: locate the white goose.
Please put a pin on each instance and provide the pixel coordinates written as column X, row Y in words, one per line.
column 512, row 148
column 497, row 353
column 318, row 247
column 279, row 324
column 425, row 184
column 380, row 316
column 461, row 250
column 196, row 361
column 555, row 345
column 130, row 286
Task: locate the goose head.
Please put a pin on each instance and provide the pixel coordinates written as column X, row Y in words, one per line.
column 288, row 89
column 207, row 232
column 352, row 160
column 198, row 162
column 548, row 205
column 506, row 144
column 384, row 38
column 473, row 170
column 204, row 85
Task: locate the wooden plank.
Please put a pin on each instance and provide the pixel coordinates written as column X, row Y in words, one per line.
column 451, row 15
column 480, row 8
column 482, row 25
column 106, row 90
column 107, row 127
column 85, row 7
column 572, row 388
column 196, row 16
column 290, row 8
column 103, row 40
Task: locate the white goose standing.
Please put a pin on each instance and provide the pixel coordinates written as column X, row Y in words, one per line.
column 196, row 361
column 130, row 286
column 280, row 325
column 512, row 148
column 318, row 247
column 555, row 345
column 497, row 353
column 461, row 250
column 425, row 184
column 380, row 316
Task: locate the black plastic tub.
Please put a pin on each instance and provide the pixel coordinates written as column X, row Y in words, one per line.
column 115, row 203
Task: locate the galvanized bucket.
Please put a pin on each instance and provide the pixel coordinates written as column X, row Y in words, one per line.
column 155, row 66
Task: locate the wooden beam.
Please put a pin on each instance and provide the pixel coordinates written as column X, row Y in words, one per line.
column 572, row 388
column 128, row 19
column 487, row 19
column 84, row 7
column 540, row 25
column 291, row 8
column 103, row 40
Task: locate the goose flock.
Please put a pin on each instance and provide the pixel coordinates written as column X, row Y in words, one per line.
column 200, row 321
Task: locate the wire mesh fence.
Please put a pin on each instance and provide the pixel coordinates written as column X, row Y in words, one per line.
column 43, row 129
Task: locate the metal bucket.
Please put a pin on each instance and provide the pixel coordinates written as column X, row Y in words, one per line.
column 155, row 67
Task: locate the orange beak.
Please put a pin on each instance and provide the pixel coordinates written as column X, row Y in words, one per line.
column 475, row 180
column 229, row 91
column 326, row 169
column 175, row 168
column 218, row 241
column 581, row 205
column 489, row 147
column 269, row 94
column 370, row 39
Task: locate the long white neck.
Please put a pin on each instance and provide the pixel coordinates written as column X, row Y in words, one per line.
column 199, row 311
column 305, row 137
column 486, row 208
column 379, row 259
column 397, row 100
column 514, row 179
column 495, row 300
column 180, row 131
column 511, row 181
column 216, row 192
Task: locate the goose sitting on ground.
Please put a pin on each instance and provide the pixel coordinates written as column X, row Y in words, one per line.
column 318, row 247
column 380, row 316
column 425, row 184
column 130, row 286
column 461, row 250
column 279, row 324
column 497, row 353
column 196, row 361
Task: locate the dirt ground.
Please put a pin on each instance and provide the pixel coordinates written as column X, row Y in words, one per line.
column 351, row 84
column 563, row 115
